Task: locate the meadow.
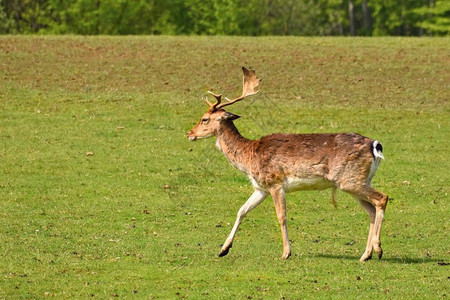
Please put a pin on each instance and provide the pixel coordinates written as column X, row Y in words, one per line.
column 102, row 195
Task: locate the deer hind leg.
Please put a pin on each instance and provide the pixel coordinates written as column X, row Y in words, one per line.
column 255, row 199
column 372, row 213
column 375, row 204
column 279, row 200
column 380, row 207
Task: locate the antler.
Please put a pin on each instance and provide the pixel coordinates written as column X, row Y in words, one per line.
column 218, row 98
column 250, row 83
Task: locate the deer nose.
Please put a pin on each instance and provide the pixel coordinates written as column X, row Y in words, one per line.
column 191, row 137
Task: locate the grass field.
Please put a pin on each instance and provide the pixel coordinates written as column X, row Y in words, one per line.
column 102, row 195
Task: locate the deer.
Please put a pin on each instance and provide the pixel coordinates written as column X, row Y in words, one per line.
column 279, row 163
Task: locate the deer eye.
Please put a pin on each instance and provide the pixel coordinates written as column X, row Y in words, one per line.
column 205, row 120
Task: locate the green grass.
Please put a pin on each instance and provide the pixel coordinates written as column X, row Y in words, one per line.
column 102, row 194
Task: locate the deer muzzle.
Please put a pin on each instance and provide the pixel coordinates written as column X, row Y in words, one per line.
column 190, row 136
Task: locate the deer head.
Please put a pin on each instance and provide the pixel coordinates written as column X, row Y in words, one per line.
column 211, row 121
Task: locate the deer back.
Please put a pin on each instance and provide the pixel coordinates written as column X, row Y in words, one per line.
column 310, row 161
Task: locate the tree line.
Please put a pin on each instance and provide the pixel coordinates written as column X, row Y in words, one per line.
column 226, row 17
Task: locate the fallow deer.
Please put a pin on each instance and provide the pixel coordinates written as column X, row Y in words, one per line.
column 277, row 164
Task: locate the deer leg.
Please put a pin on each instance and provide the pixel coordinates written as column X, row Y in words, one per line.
column 371, row 212
column 375, row 204
column 280, row 207
column 255, row 199
column 380, row 207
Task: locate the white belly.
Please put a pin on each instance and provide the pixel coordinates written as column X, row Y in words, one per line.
column 298, row 184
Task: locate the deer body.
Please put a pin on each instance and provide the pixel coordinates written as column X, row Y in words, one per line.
column 281, row 163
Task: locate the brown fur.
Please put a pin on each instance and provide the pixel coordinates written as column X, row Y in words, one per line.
column 273, row 158
column 336, row 160
column 281, row 163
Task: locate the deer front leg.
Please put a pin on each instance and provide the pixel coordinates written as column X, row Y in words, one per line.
column 279, row 200
column 255, row 199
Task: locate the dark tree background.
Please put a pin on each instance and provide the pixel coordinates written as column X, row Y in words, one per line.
column 226, row 17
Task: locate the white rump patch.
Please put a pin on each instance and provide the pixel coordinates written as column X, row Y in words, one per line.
column 376, row 153
column 378, row 156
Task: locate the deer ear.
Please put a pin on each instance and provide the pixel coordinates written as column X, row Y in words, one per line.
column 230, row 116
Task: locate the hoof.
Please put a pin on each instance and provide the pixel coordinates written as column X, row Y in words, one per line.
column 365, row 257
column 379, row 251
column 224, row 251
column 286, row 256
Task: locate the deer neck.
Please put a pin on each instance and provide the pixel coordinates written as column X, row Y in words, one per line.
column 234, row 146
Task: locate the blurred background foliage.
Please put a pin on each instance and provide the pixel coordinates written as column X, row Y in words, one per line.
column 227, row 17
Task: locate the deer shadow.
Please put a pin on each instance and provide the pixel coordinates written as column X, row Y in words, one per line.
column 399, row 260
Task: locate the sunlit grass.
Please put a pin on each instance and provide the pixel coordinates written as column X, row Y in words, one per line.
column 102, row 194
